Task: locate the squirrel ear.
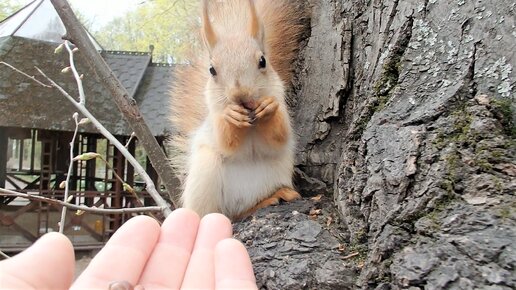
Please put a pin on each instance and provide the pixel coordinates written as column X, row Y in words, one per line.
column 209, row 34
column 255, row 28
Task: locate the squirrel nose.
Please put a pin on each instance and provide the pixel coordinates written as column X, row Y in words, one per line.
column 239, row 94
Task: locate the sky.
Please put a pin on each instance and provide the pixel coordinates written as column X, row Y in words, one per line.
column 99, row 12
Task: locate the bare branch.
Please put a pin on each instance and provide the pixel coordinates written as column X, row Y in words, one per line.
column 121, row 96
column 151, row 188
column 130, row 139
column 4, row 255
column 70, row 167
column 6, row 192
column 82, row 97
column 22, row 73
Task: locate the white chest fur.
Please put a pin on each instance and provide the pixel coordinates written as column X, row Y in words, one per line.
column 233, row 184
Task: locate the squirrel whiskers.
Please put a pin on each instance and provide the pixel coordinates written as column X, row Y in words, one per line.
column 234, row 145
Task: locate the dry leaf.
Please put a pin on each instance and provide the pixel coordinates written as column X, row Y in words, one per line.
column 482, row 100
column 315, row 211
column 329, row 220
column 317, row 198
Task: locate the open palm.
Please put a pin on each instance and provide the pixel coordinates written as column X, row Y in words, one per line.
column 184, row 253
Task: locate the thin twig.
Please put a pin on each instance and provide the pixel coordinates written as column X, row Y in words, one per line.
column 112, row 169
column 30, row 77
column 130, row 139
column 151, row 188
column 82, row 97
column 122, row 98
column 70, row 167
column 131, row 191
column 4, row 255
column 6, row 192
column 350, row 255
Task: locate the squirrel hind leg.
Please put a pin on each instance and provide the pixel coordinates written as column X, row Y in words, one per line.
column 286, row 194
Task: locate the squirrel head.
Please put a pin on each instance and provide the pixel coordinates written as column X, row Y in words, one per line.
column 239, row 71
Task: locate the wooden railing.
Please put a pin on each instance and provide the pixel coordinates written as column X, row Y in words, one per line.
column 22, row 222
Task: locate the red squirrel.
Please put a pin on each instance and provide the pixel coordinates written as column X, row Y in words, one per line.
column 235, row 145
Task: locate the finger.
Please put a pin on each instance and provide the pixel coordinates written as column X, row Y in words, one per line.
column 265, row 102
column 260, row 108
column 233, row 268
column 48, row 264
column 235, row 122
column 240, row 109
column 124, row 256
column 238, row 116
column 167, row 265
column 200, row 272
column 268, row 110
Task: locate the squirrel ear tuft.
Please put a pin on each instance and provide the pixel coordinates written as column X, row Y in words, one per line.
column 255, row 27
column 210, row 38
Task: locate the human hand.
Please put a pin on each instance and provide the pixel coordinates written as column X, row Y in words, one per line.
column 185, row 253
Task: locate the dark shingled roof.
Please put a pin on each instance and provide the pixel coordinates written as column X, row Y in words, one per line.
column 23, row 103
column 152, row 97
column 129, row 67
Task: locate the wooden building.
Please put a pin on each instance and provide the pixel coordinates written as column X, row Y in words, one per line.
column 36, row 127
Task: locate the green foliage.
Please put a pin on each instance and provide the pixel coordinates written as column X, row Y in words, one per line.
column 384, row 86
column 9, row 7
column 503, row 109
column 167, row 25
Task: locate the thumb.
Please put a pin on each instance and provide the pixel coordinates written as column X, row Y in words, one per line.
column 47, row 264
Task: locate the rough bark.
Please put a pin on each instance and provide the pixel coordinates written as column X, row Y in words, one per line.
column 405, row 116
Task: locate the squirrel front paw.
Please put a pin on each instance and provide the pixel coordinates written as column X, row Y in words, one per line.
column 267, row 106
column 238, row 116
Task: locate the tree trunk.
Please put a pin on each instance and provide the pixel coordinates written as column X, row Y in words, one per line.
column 405, row 117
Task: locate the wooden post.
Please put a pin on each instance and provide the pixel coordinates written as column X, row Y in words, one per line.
column 3, row 155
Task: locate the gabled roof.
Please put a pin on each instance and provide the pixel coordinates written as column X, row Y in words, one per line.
column 153, row 97
column 25, row 104
column 39, row 21
column 129, row 67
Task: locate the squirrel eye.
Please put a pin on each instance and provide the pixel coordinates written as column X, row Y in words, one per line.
column 213, row 72
column 262, row 63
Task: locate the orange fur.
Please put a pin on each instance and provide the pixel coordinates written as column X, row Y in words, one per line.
column 274, row 129
column 286, row 194
column 283, row 23
column 230, row 137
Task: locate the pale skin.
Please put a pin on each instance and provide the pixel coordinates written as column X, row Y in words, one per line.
column 184, row 253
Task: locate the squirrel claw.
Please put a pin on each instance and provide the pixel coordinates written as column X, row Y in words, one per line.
column 238, row 116
column 268, row 105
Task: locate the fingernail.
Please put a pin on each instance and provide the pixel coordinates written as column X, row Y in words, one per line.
column 121, row 285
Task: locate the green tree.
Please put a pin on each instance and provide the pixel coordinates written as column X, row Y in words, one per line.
column 167, row 25
column 9, row 7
